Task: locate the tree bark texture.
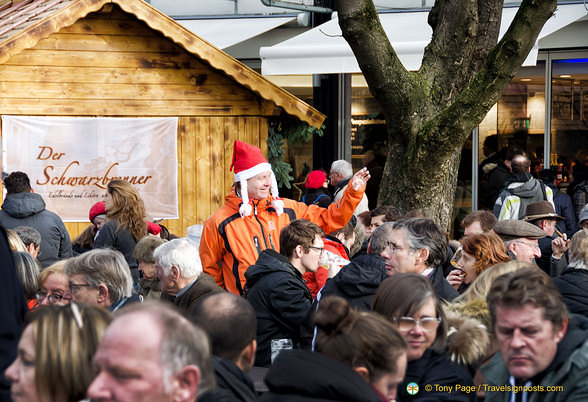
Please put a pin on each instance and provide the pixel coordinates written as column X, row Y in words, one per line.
column 431, row 112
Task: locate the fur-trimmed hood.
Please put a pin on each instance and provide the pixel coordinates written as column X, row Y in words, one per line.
column 467, row 338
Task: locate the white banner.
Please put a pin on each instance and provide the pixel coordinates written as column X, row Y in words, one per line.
column 70, row 160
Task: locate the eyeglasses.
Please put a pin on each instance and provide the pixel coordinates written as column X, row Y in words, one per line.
column 535, row 246
column 394, row 248
column 427, row 324
column 54, row 298
column 75, row 287
column 320, row 249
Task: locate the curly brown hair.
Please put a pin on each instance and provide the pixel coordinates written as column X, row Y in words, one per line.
column 128, row 210
column 487, row 248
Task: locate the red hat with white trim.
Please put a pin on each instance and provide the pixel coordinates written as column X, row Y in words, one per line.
column 247, row 163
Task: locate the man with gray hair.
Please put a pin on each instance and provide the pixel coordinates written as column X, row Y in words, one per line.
column 180, row 272
column 151, row 353
column 339, row 176
column 30, row 237
column 102, row 277
column 419, row 245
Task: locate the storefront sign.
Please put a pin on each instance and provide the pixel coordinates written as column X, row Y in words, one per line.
column 70, row 160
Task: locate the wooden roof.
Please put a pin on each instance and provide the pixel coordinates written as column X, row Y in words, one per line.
column 24, row 23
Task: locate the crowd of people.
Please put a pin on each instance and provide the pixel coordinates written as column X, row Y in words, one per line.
column 281, row 300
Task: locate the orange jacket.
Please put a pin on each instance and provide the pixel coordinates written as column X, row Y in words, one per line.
column 230, row 244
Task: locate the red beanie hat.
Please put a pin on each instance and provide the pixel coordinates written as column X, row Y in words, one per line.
column 247, row 163
column 97, row 209
column 315, row 179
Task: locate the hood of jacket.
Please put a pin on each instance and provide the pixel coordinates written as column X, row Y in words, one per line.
column 467, row 338
column 528, row 188
column 315, row 375
column 361, row 276
column 22, row 205
column 269, row 261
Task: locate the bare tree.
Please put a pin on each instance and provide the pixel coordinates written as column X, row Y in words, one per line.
column 431, row 112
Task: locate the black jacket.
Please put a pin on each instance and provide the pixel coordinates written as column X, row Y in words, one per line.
column 357, row 281
column 444, row 290
column 435, row 368
column 304, row 376
column 120, row 239
column 573, row 286
column 281, row 301
column 28, row 209
column 317, row 196
column 12, row 313
column 232, row 384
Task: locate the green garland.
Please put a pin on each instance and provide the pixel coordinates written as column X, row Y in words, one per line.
column 295, row 132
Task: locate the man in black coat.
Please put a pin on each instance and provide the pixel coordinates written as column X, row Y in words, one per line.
column 276, row 290
column 418, row 245
column 230, row 323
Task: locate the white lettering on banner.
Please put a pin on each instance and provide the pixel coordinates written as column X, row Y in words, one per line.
column 70, row 160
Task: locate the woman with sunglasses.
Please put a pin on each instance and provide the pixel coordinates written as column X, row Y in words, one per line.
column 410, row 302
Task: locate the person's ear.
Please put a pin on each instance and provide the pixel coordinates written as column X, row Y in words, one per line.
column 247, row 357
column 341, row 237
column 185, row 384
column 299, row 251
column 103, row 293
column 31, row 248
column 363, row 373
column 422, row 255
column 174, row 273
column 559, row 334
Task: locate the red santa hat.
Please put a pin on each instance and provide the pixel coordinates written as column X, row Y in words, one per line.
column 247, row 163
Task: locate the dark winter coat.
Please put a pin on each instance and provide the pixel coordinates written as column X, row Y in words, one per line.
column 28, row 209
column 203, row 287
column 565, row 209
column 573, row 286
column 496, row 180
column 12, row 313
column 121, row 240
column 304, row 376
column 444, row 290
column 357, row 281
column 317, row 196
column 435, row 368
column 281, row 301
column 232, row 384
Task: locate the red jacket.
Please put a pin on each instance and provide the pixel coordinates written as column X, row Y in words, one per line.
column 230, row 244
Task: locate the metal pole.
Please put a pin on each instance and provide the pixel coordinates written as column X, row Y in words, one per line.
column 547, row 131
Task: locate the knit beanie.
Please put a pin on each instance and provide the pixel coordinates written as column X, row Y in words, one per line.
column 247, row 163
column 315, row 179
column 97, row 209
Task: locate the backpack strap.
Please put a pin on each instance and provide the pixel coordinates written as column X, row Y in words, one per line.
column 318, row 198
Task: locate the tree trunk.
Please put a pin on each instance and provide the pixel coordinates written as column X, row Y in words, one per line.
column 431, row 112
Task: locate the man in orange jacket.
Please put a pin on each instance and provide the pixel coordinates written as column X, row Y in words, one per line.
column 253, row 216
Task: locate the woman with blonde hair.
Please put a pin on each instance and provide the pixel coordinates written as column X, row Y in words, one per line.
column 53, row 285
column 126, row 224
column 54, row 358
column 573, row 281
column 478, row 252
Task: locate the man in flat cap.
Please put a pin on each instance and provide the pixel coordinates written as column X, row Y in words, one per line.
column 553, row 246
column 520, row 238
column 521, row 241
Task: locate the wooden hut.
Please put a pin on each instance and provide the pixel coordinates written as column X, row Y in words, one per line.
column 124, row 58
